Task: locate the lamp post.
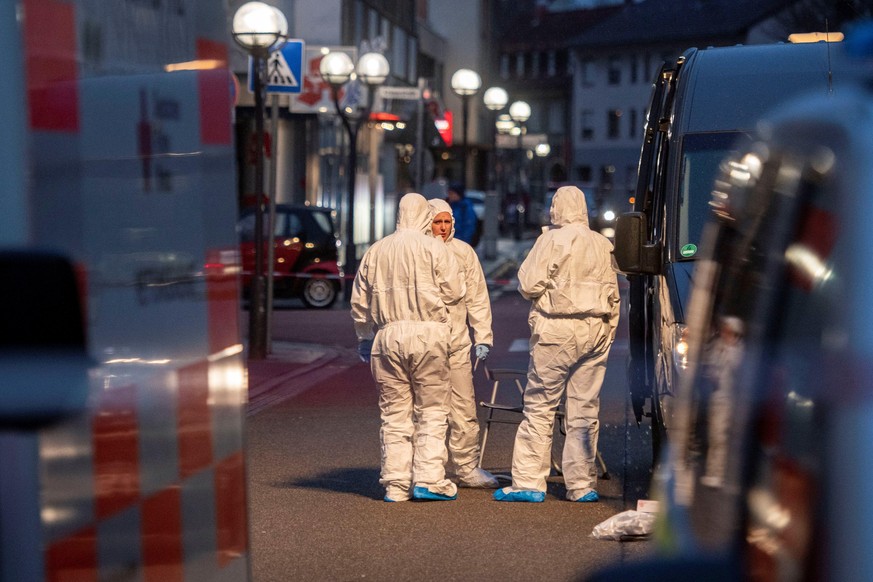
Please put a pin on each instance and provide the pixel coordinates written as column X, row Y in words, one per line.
column 504, row 125
column 337, row 69
column 519, row 111
column 259, row 29
column 465, row 83
column 495, row 99
column 542, row 151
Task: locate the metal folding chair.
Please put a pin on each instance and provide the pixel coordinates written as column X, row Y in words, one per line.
column 518, row 378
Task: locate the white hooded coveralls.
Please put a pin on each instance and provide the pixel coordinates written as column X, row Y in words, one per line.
column 571, row 283
column 400, row 294
column 474, row 311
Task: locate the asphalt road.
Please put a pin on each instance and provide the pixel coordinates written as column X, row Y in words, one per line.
column 316, row 509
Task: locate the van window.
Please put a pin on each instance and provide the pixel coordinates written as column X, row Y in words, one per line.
column 702, row 154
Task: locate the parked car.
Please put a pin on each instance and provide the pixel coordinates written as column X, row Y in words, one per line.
column 305, row 263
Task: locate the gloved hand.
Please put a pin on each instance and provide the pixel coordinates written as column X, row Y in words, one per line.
column 482, row 351
column 364, row 349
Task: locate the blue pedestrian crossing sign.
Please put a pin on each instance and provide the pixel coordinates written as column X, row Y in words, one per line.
column 284, row 69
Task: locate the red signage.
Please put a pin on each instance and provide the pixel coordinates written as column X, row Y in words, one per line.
column 444, row 126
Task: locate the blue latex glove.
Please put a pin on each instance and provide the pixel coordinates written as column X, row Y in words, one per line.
column 364, row 349
column 482, row 351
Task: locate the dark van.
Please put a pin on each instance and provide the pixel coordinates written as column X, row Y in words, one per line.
column 769, row 473
column 703, row 107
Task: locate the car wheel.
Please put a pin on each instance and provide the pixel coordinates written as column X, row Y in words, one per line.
column 319, row 293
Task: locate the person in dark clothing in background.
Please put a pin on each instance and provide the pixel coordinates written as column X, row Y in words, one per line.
column 462, row 210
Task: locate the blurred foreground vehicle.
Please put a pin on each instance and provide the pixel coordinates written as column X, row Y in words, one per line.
column 122, row 369
column 786, row 282
column 703, row 107
column 305, row 253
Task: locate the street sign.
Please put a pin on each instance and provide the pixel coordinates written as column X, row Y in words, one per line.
column 407, row 93
column 316, row 96
column 284, row 69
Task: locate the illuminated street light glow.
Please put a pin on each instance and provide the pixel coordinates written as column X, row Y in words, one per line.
column 336, row 68
column 504, row 123
column 495, row 98
column 259, row 27
column 465, row 83
column 519, row 111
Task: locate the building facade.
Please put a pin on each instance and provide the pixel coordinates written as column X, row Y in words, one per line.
column 614, row 64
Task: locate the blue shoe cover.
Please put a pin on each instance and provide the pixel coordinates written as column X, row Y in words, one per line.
column 425, row 494
column 589, row 497
column 506, row 494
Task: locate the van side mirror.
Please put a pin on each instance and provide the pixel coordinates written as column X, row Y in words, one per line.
column 632, row 254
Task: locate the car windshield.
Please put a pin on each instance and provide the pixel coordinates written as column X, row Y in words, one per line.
column 702, row 154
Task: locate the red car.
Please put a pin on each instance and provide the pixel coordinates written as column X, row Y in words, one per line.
column 305, row 253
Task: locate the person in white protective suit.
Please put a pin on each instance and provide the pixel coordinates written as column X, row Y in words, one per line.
column 571, row 282
column 474, row 311
column 399, row 298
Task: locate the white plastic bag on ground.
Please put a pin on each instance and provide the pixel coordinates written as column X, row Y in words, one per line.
column 626, row 525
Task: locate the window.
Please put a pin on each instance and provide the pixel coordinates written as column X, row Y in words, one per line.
column 535, row 64
column 632, row 124
column 551, row 64
column 373, row 28
column 614, row 71
column 412, row 47
column 561, row 62
column 631, row 179
column 586, row 76
column 519, row 64
column 504, row 66
column 607, row 174
column 583, row 173
column 613, row 125
column 634, row 69
column 295, row 225
column 587, row 118
column 399, row 50
column 556, row 121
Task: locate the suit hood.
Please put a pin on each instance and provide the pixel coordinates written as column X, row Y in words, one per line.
column 438, row 205
column 569, row 207
column 414, row 213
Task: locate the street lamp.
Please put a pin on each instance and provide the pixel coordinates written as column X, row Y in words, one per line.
column 337, row 69
column 542, row 150
column 259, row 29
column 495, row 99
column 504, row 123
column 465, row 83
column 519, row 111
